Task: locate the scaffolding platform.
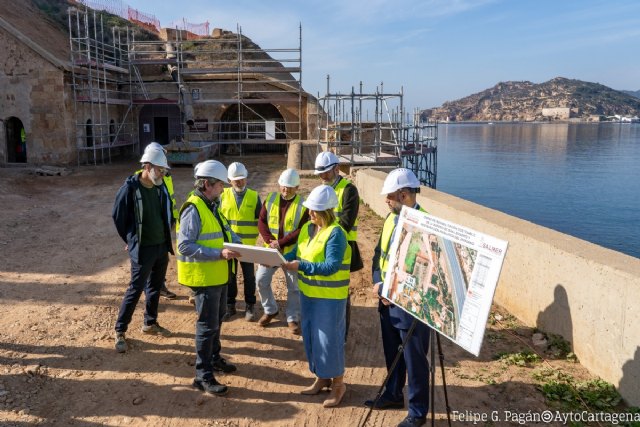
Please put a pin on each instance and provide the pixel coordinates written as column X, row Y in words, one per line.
column 391, row 138
column 382, row 159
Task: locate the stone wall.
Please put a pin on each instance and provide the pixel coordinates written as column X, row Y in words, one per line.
column 558, row 283
column 35, row 91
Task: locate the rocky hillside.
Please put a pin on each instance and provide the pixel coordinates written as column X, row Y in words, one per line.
column 632, row 93
column 525, row 101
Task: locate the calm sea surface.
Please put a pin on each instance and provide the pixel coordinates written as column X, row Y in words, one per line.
column 579, row 179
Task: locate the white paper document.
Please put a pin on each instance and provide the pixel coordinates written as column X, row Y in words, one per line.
column 257, row 255
column 444, row 274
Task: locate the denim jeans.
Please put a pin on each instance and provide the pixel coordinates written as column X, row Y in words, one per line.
column 264, row 277
column 147, row 275
column 249, row 284
column 210, row 306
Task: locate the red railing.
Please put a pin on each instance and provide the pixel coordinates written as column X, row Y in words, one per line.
column 148, row 21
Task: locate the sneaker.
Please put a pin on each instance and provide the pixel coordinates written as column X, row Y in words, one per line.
column 155, row 329
column 166, row 293
column 267, row 318
column 121, row 344
column 221, row 365
column 249, row 313
column 294, row 327
column 211, row 386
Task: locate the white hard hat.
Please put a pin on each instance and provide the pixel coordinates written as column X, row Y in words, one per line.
column 399, row 178
column 237, row 171
column 289, row 178
column 155, row 157
column 154, row 146
column 321, row 198
column 211, row 169
column 325, row 161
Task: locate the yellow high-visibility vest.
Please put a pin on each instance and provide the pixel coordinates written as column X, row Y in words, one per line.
column 385, row 241
column 352, row 235
column 291, row 218
column 242, row 219
column 198, row 273
column 312, row 249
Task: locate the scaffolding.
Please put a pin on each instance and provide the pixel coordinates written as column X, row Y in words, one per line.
column 229, row 90
column 103, row 111
column 390, row 138
column 222, row 89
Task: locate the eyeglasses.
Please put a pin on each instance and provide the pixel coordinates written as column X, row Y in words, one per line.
column 160, row 169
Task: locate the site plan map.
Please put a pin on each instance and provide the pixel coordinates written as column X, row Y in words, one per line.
column 444, row 274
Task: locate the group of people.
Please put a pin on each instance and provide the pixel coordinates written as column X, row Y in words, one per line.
column 317, row 237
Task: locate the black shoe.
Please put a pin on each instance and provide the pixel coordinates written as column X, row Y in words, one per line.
column 413, row 422
column 221, row 365
column 231, row 310
column 385, row 404
column 211, row 386
column 166, row 293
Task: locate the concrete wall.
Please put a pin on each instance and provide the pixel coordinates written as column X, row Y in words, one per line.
column 561, row 284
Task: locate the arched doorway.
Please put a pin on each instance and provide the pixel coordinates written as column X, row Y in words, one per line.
column 248, row 122
column 89, row 133
column 16, row 141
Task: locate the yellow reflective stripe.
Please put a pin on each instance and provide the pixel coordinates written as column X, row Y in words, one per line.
column 211, row 236
column 309, row 280
column 242, row 223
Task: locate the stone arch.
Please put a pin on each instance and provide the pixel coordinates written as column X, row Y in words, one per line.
column 245, row 122
column 16, row 141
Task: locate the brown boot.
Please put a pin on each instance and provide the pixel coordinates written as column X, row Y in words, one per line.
column 338, row 388
column 317, row 386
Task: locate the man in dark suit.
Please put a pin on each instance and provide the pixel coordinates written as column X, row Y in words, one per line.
column 400, row 188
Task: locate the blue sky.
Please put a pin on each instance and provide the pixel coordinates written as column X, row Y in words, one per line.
column 435, row 50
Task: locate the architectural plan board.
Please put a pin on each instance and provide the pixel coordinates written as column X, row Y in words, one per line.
column 444, row 274
column 265, row 256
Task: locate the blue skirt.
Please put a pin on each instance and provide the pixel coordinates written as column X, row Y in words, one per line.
column 323, row 323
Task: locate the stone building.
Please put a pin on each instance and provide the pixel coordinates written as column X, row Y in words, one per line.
column 86, row 96
column 36, row 107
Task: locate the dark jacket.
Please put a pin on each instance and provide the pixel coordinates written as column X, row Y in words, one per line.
column 347, row 218
column 127, row 214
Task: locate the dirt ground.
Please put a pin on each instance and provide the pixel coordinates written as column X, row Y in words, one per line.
column 63, row 271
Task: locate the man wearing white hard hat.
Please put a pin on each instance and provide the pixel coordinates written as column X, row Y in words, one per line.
column 322, row 260
column 142, row 216
column 400, row 189
column 279, row 224
column 241, row 206
column 168, row 181
column 327, row 167
column 205, row 266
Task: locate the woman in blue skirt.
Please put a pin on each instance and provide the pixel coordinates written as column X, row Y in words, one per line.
column 322, row 259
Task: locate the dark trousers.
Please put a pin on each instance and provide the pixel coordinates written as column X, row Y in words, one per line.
column 414, row 362
column 210, row 306
column 249, row 284
column 146, row 275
